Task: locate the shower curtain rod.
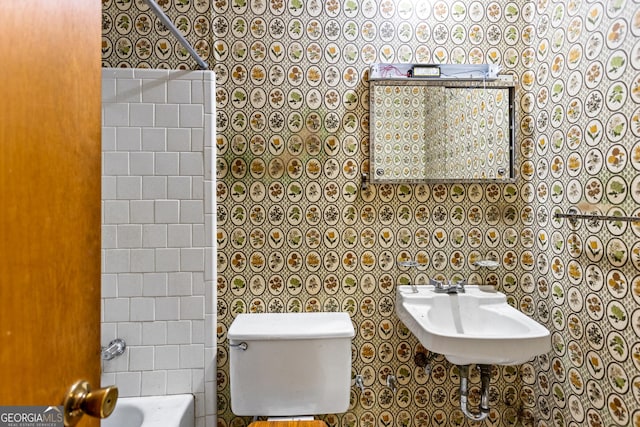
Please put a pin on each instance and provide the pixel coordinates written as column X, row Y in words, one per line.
column 167, row 22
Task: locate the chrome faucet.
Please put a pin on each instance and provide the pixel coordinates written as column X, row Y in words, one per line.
column 392, row 383
column 114, row 349
column 410, row 264
column 449, row 288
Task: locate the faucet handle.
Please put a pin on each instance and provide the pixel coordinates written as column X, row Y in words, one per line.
column 436, row 284
column 460, row 285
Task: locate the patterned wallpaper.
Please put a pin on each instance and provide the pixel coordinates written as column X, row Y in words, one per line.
column 296, row 232
column 132, row 35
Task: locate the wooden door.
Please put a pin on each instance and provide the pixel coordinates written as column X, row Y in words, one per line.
column 49, row 199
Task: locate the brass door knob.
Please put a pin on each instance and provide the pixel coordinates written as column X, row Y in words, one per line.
column 81, row 400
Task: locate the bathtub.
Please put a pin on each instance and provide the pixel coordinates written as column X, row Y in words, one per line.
column 152, row 411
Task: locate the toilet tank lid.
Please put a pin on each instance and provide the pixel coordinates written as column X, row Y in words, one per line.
column 273, row 326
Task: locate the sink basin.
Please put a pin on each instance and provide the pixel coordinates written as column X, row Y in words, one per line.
column 477, row 326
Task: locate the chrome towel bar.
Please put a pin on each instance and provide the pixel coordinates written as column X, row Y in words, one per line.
column 597, row 217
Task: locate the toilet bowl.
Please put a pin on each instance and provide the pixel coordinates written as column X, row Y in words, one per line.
column 291, row 365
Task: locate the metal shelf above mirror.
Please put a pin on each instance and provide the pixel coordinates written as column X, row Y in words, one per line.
column 439, row 123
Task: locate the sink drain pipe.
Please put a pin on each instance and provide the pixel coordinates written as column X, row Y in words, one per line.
column 485, row 377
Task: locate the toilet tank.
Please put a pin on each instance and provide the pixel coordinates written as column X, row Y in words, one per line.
column 290, row 364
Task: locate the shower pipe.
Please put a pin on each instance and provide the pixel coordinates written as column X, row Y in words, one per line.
column 167, row 22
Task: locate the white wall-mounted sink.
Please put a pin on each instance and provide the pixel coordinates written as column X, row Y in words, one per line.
column 477, row 326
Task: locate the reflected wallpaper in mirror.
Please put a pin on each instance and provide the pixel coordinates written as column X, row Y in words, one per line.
column 422, row 132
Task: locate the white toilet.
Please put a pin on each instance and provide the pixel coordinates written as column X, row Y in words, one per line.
column 291, row 365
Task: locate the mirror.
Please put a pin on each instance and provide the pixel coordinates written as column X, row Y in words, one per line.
column 441, row 130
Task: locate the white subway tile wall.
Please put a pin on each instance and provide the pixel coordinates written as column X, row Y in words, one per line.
column 158, row 221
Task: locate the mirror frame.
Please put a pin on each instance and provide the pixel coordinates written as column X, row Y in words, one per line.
column 509, row 177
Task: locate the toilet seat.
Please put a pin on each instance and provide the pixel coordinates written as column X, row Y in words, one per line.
column 290, row 423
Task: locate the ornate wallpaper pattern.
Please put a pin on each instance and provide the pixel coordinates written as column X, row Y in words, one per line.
column 297, row 233
column 132, row 35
